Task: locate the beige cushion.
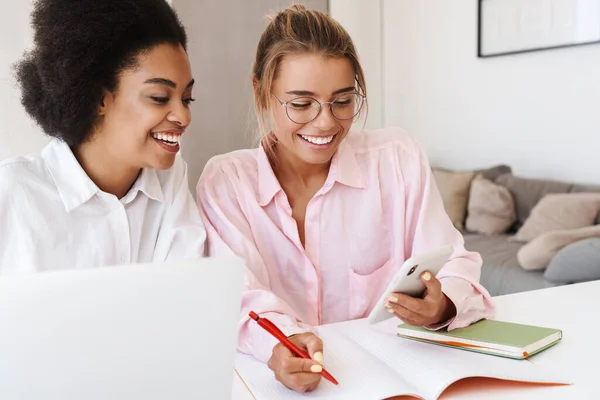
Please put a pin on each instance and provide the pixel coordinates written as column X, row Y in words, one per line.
column 560, row 212
column 491, row 209
column 537, row 254
column 454, row 188
column 528, row 192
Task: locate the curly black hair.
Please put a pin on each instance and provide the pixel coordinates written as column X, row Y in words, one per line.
column 80, row 47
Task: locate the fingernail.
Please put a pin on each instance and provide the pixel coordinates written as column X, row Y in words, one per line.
column 393, row 299
column 318, row 357
column 390, row 310
column 316, row 369
column 427, row 276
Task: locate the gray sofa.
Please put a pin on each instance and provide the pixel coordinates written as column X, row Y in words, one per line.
column 501, row 272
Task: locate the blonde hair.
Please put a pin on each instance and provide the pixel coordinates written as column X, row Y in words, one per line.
column 295, row 31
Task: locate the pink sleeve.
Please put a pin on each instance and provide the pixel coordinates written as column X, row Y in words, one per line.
column 427, row 227
column 228, row 232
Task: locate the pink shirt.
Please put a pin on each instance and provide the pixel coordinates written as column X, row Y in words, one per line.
column 378, row 206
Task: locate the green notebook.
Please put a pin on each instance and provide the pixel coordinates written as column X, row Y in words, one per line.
column 488, row 336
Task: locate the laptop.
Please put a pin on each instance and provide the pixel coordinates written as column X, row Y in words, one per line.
column 146, row 331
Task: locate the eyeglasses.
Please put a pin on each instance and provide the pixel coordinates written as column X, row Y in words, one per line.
column 303, row 110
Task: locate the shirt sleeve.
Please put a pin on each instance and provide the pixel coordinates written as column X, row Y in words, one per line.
column 428, row 227
column 229, row 232
column 182, row 234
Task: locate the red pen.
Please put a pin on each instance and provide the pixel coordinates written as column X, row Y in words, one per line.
column 273, row 330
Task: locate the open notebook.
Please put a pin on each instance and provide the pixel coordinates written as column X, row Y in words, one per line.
column 373, row 363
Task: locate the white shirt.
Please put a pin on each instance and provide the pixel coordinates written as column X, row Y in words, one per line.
column 53, row 216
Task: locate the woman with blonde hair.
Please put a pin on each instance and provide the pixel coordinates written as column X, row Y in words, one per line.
column 322, row 214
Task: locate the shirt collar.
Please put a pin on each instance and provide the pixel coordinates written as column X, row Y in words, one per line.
column 268, row 185
column 344, row 169
column 75, row 187
column 73, row 184
column 147, row 183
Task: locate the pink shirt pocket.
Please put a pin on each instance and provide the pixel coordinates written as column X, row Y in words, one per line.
column 365, row 290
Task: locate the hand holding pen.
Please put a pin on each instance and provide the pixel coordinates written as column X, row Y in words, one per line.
column 291, row 360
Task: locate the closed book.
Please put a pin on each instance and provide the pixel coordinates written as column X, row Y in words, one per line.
column 488, row 336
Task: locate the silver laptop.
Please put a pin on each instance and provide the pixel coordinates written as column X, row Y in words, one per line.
column 151, row 331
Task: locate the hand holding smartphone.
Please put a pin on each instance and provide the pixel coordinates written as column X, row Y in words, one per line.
column 408, row 279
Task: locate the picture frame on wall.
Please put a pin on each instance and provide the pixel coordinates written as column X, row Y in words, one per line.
column 519, row 26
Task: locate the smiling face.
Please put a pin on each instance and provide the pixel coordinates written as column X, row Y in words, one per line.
column 300, row 80
column 143, row 120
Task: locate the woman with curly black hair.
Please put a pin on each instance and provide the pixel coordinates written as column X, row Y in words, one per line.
column 111, row 82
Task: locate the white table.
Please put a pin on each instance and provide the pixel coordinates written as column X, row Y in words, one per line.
column 572, row 308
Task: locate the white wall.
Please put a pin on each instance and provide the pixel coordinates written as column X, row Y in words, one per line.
column 538, row 112
column 362, row 20
column 18, row 134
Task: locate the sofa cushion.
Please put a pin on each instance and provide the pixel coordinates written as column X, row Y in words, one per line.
column 501, row 272
column 537, row 254
column 491, row 208
column 577, row 262
column 559, row 212
column 454, row 188
column 494, row 172
column 528, row 192
column 577, row 188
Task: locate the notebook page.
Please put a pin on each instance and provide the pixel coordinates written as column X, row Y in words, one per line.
column 431, row 368
column 360, row 375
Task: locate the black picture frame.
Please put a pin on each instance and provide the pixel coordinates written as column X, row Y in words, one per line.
column 480, row 38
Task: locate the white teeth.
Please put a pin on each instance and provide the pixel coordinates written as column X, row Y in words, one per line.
column 171, row 139
column 318, row 139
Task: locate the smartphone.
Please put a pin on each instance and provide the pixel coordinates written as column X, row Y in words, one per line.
column 408, row 279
